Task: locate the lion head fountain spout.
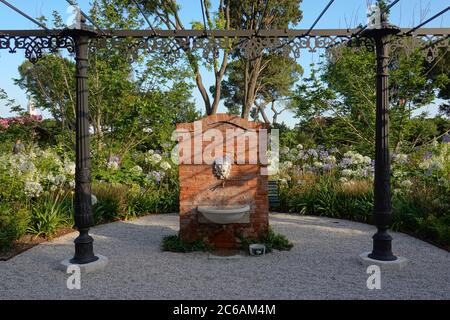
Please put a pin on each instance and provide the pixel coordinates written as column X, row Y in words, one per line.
column 222, row 168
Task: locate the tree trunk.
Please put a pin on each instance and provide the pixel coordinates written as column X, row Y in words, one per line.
column 204, row 93
column 262, row 111
column 251, row 84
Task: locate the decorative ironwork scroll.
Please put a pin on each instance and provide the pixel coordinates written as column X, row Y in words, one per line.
column 428, row 45
column 209, row 47
column 35, row 46
column 245, row 43
column 247, row 47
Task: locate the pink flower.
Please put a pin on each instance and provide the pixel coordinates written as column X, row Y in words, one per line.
column 6, row 122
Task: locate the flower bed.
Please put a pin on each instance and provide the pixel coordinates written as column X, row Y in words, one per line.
column 37, row 188
column 340, row 184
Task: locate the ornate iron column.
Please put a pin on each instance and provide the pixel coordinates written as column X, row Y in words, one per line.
column 382, row 241
column 84, row 251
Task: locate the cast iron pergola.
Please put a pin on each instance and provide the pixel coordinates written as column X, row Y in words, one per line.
column 250, row 44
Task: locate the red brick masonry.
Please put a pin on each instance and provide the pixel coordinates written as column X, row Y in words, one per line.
column 199, row 187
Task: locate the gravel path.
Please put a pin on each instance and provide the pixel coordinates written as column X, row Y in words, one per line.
column 322, row 265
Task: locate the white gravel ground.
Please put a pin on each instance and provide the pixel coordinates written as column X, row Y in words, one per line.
column 322, row 265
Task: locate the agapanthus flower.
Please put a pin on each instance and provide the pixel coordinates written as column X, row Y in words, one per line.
column 313, row 153
column 33, row 189
column 345, row 162
column 446, row 138
column 361, row 172
column 428, row 155
column 406, row 183
column 347, row 172
column 330, row 159
column 323, row 154
column 69, row 168
column 284, row 150
column 318, row 164
column 155, row 158
column 367, row 160
column 287, row 164
column 155, row 175
column 59, row 180
column 137, row 170
column 165, row 165
column 113, row 165
column 27, row 167
column 400, row 158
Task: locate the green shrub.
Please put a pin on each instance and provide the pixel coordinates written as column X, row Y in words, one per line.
column 160, row 200
column 423, row 211
column 119, row 201
column 112, row 202
column 13, row 224
column 272, row 241
column 174, row 243
column 276, row 241
column 49, row 214
column 325, row 197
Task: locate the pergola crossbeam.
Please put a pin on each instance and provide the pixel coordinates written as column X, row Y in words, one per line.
column 287, row 33
column 248, row 43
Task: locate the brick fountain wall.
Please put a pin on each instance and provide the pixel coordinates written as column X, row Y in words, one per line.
column 199, row 186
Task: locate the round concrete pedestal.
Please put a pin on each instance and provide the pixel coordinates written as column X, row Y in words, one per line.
column 398, row 264
column 97, row 265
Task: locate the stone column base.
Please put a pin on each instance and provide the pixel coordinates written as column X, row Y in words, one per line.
column 398, row 264
column 97, row 265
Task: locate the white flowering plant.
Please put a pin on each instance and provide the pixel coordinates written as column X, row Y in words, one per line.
column 34, row 172
column 299, row 161
column 148, row 169
column 429, row 165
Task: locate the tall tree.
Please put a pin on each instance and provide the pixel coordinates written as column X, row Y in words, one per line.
column 439, row 72
column 167, row 14
column 260, row 15
column 230, row 15
column 122, row 87
column 274, row 85
column 345, row 93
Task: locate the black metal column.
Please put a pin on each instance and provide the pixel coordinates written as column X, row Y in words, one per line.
column 84, row 251
column 382, row 240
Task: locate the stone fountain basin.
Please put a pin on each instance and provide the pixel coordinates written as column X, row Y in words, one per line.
column 224, row 215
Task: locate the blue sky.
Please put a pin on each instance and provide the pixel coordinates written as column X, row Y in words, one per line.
column 342, row 14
